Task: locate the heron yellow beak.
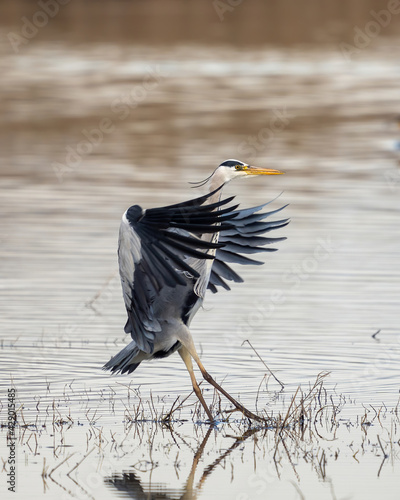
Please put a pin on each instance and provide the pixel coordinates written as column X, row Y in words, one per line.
column 262, row 171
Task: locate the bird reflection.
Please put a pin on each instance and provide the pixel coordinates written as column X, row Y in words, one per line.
column 129, row 484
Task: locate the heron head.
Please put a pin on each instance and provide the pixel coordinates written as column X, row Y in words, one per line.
column 236, row 168
column 230, row 169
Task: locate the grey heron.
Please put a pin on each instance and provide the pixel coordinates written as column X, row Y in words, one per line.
column 168, row 258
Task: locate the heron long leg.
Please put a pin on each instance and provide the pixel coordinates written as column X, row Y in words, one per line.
column 185, row 355
column 240, row 407
column 191, row 351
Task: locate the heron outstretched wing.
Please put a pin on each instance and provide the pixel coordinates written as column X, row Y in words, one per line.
column 155, row 246
column 243, row 237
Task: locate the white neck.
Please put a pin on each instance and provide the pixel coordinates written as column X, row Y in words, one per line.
column 218, row 179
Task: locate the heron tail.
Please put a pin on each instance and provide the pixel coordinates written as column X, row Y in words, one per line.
column 123, row 362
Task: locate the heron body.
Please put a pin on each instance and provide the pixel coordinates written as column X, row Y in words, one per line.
column 169, row 257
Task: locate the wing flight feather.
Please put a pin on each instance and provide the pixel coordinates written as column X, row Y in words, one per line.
column 243, row 237
column 154, row 250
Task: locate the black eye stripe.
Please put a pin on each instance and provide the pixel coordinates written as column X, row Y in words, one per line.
column 231, row 163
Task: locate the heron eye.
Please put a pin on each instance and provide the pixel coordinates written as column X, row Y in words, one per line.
column 238, row 167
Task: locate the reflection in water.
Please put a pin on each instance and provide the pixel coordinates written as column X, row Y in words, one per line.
column 131, row 485
column 313, row 440
column 78, row 440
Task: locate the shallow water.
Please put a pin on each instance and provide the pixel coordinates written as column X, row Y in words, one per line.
column 313, row 307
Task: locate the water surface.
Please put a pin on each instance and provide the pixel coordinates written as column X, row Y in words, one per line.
column 315, row 306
